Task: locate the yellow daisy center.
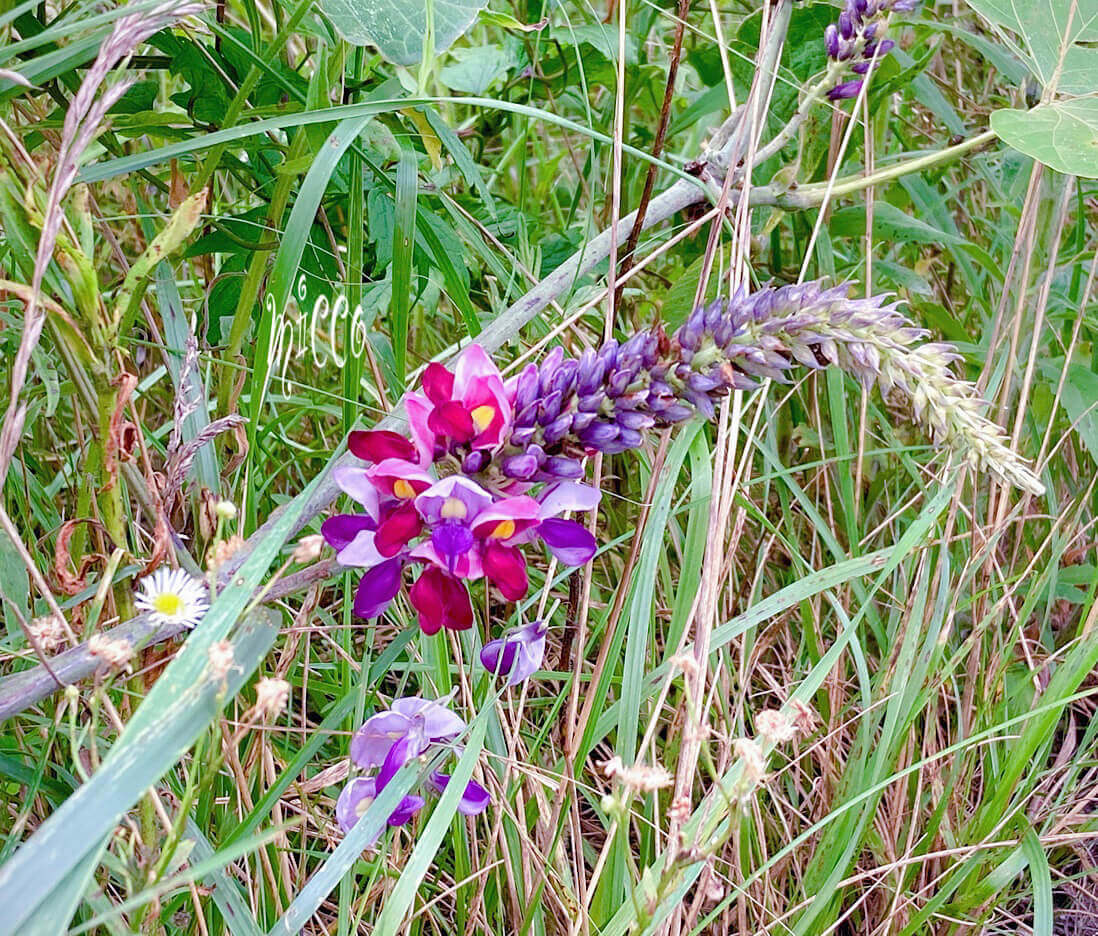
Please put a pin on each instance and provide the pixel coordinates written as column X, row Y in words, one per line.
column 453, row 509
column 168, row 604
column 403, row 489
column 483, row 416
column 505, row 529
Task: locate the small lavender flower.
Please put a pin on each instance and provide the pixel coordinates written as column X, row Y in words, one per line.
column 517, row 655
column 389, row 740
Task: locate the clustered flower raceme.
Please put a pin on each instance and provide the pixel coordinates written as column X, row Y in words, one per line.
column 857, row 38
column 604, row 400
column 436, row 503
column 388, row 740
column 492, row 464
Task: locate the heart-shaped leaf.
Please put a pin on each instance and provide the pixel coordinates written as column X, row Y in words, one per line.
column 1045, row 28
column 1063, row 135
column 398, row 28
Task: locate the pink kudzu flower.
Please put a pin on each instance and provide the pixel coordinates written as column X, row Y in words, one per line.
column 391, row 739
column 461, row 412
column 454, row 527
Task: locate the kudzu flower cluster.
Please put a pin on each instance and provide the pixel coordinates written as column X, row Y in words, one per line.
column 490, row 465
column 857, row 38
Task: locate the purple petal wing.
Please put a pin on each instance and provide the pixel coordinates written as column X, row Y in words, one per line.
column 571, row 542
column 339, row 531
column 378, row 587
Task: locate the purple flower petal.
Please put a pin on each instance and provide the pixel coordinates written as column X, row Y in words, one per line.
column 518, row 655
column 378, row 587
column 361, row 552
column 353, row 801
column 474, row 800
column 439, row 723
column 357, row 483
column 568, row 496
column 373, row 741
column 339, row 531
column 568, row 540
column 451, row 542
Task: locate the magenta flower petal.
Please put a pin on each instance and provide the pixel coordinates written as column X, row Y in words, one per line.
column 567, row 495
column 506, row 518
column 438, row 384
column 474, row 799
column 400, row 479
column 506, row 569
column 571, row 542
column 453, row 421
column 441, row 601
column 340, row 531
column 378, row 587
column 418, row 408
column 378, row 444
column 473, row 363
column 517, row 655
column 402, row 525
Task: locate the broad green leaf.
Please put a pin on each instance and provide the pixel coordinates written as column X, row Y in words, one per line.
column 1063, row 135
column 1078, row 399
column 474, row 71
column 891, row 225
column 398, row 28
column 1043, row 30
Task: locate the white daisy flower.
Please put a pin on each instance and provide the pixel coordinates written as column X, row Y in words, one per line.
column 171, row 596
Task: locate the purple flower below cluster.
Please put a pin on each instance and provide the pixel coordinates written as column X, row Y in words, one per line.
column 389, row 740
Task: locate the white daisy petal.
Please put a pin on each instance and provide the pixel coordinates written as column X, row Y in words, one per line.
column 171, row 596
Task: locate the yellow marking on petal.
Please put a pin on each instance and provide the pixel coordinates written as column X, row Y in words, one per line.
column 453, row 509
column 362, row 805
column 169, row 604
column 505, row 529
column 483, row 416
column 403, row 489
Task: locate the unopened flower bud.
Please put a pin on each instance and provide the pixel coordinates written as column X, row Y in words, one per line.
column 308, row 548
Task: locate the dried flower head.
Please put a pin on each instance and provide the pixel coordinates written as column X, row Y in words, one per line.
column 49, row 632
column 116, row 653
column 804, row 716
column 271, row 696
column 222, row 660
column 308, row 548
column 639, row 778
column 223, row 550
column 686, row 664
column 776, row 725
column 171, row 596
column 754, row 763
